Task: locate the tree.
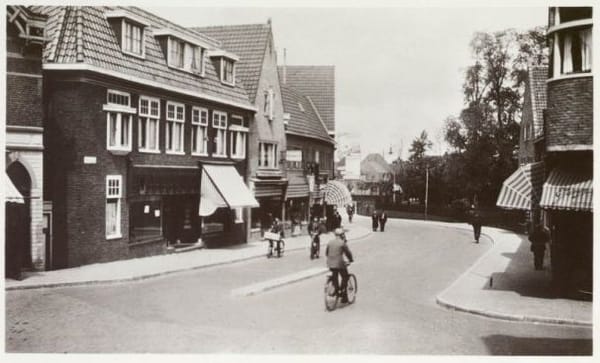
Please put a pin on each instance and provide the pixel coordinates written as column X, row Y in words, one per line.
column 419, row 146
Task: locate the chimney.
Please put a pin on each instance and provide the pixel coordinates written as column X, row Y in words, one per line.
column 284, row 70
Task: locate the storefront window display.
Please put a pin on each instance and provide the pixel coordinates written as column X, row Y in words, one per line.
column 145, row 220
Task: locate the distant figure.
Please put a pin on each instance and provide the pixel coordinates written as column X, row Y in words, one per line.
column 350, row 211
column 337, row 220
column 475, row 222
column 382, row 220
column 375, row 221
column 539, row 238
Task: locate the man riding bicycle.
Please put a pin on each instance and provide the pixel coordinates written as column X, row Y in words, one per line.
column 336, row 249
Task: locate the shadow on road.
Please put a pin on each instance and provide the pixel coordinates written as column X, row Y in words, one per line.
column 498, row 344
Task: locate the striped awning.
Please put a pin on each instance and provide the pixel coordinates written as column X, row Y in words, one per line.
column 522, row 190
column 336, row 193
column 11, row 194
column 568, row 190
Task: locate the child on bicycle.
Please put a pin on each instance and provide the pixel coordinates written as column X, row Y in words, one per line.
column 336, row 249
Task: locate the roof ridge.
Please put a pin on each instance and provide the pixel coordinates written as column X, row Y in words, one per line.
column 230, row 25
column 318, row 115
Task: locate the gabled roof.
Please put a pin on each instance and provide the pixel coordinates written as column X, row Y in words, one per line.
column 318, row 83
column 304, row 120
column 249, row 42
column 96, row 47
column 537, row 86
column 374, row 164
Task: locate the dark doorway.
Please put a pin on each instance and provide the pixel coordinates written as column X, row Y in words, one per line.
column 18, row 223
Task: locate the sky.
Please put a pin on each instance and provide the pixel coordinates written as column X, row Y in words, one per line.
column 399, row 70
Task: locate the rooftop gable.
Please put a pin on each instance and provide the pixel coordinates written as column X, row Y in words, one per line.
column 304, row 120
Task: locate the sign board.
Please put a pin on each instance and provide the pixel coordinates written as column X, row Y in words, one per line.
column 89, row 160
column 294, row 155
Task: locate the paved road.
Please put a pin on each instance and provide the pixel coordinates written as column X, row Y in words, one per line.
column 399, row 273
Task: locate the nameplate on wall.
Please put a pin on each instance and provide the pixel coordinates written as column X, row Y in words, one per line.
column 89, row 160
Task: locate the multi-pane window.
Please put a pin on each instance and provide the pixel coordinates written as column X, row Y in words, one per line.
column 113, row 206
column 199, row 130
column 148, row 123
column 133, row 38
column 176, row 49
column 227, row 70
column 267, row 155
column 239, row 135
column 174, row 127
column 572, row 52
column 219, row 123
column 118, row 121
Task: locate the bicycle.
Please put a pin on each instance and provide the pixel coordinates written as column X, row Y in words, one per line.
column 332, row 296
column 279, row 244
column 315, row 247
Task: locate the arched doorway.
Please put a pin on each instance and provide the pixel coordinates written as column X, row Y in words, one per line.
column 18, row 223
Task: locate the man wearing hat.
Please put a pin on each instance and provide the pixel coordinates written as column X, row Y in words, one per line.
column 336, row 249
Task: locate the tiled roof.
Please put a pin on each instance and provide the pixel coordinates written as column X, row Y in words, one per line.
column 318, row 83
column 304, row 121
column 537, row 85
column 374, row 164
column 249, row 42
column 100, row 49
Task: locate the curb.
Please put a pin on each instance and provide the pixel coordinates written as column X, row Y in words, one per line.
column 153, row 275
column 512, row 317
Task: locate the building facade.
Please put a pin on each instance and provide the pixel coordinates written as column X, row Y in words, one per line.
column 568, row 142
column 25, row 231
column 146, row 129
column 532, row 121
column 266, row 140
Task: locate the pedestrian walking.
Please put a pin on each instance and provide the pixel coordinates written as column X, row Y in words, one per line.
column 314, row 230
column 475, row 217
column 350, row 211
column 375, row 221
column 538, row 239
column 337, row 220
column 382, row 220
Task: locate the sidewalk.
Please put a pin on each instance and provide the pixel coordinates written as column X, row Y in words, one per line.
column 503, row 284
column 147, row 267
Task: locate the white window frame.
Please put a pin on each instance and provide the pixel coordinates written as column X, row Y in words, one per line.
column 188, row 52
column 239, row 214
column 560, row 54
column 110, row 196
column 174, row 121
column 225, row 60
column 219, row 123
column 238, row 132
column 273, row 155
column 119, row 110
column 147, row 117
column 200, row 125
column 124, row 23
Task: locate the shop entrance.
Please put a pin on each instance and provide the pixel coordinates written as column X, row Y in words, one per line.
column 181, row 223
column 18, row 223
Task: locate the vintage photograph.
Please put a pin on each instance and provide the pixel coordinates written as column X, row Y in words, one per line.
column 263, row 179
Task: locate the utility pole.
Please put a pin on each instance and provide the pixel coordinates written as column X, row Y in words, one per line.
column 426, row 189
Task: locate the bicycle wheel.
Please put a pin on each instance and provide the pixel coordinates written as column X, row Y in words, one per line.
column 351, row 288
column 331, row 297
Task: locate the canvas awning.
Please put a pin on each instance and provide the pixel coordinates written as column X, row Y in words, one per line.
column 522, row 190
column 336, row 193
column 11, row 194
column 568, row 190
column 222, row 186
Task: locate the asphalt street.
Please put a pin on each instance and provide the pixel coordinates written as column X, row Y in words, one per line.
column 399, row 272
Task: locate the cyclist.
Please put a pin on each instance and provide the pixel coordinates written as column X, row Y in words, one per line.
column 314, row 230
column 336, row 249
column 276, row 228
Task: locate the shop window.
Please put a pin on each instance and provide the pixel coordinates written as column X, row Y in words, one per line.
column 113, row 206
column 199, row 131
column 118, row 121
column 145, row 220
column 148, row 124
column 174, row 128
column 256, row 219
column 239, row 216
column 239, row 135
column 220, row 125
column 268, row 157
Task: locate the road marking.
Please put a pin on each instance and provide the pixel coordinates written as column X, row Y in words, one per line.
column 263, row 286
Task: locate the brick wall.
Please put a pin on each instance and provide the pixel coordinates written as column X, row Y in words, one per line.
column 569, row 118
column 526, row 150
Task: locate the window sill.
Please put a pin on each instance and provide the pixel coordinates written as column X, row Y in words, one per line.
column 219, row 156
column 199, row 154
column 199, row 74
column 115, row 236
column 119, row 152
column 570, row 76
column 238, row 157
column 231, row 84
column 140, row 56
column 175, row 152
column 149, row 151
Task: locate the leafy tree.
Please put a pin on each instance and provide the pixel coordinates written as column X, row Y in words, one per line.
column 419, row 146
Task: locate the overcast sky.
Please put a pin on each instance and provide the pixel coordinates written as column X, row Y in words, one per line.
column 398, row 70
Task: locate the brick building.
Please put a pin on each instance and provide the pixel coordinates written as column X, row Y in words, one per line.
column 532, row 120
column 310, row 152
column 568, row 143
column 257, row 69
column 146, row 136
column 25, row 232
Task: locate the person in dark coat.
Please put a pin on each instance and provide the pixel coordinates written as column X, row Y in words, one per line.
column 382, row 220
column 336, row 249
column 337, row 219
column 375, row 221
column 350, row 211
column 539, row 238
column 476, row 222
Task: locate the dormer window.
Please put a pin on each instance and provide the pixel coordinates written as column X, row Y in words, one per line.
column 183, row 52
column 225, row 61
column 130, row 32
